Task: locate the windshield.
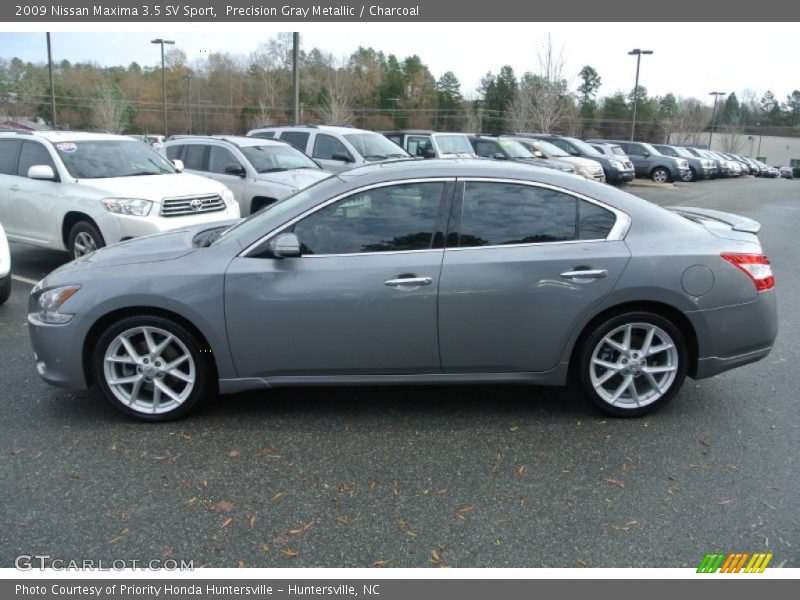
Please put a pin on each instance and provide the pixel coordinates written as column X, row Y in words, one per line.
column 549, row 149
column 373, row 146
column 583, row 147
column 683, row 152
column 667, row 151
column 515, row 149
column 277, row 158
column 454, row 144
column 99, row 159
column 651, row 149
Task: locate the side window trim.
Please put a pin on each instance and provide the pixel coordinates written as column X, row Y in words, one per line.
column 446, row 198
column 617, row 233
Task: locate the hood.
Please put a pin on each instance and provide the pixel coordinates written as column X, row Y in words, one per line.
column 154, row 187
column 579, row 161
column 546, row 163
column 168, row 245
column 295, row 178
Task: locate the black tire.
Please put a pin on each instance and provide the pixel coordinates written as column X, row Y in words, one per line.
column 5, row 288
column 594, row 339
column 81, row 231
column 203, row 369
column 694, row 174
column 661, row 175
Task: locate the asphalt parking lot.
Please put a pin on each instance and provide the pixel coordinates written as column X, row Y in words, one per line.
column 481, row 476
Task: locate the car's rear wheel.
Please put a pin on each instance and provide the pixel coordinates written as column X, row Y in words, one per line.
column 633, row 364
column 84, row 238
column 692, row 174
column 660, row 175
column 151, row 368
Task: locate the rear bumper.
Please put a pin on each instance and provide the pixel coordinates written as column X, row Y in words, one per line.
column 733, row 336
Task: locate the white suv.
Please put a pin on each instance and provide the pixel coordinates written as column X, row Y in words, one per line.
column 80, row 191
column 259, row 172
column 335, row 148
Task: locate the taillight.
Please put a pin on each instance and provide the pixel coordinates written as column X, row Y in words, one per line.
column 756, row 267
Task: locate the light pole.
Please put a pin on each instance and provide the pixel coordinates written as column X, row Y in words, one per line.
column 295, row 78
column 638, row 53
column 189, row 100
column 163, row 78
column 52, row 85
column 394, row 110
column 713, row 114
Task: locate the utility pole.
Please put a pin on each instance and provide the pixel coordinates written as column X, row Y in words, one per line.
column 189, row 101
column 295, row 78
column 713, row 115
column 52, row 88
column 163, row 79
column 638, row 53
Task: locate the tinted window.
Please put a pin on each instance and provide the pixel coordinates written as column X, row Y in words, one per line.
column 418, row 145
column 33, row 154
column 8, row 155
column 267, row 135
column 195, row 157
column 595, row 222
column 633, row 149
column 486, row 149
column 298, row 139
column 400, row 217
column 325, row 146
column 220, row 159
column 174, row 152
column 495, row 214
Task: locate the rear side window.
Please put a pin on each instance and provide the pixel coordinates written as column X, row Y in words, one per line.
column 325, row 146
column 500, row 214
column 8, row 156
column 33, row 154
column 174, row 152
column 298, row 139
column 195, row 157
column 266, row 135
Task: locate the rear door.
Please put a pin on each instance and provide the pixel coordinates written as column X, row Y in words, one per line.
column 524, row 262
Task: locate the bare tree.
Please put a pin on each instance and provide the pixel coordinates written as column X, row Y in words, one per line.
column 335, row 107
column 108, row 107
column 518, row 112
column 546, row 94
column 690, row 121
column 732, row 136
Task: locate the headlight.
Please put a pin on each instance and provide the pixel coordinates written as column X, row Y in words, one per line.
column 227, row 196
column 616, row 164
column 127, row 206
column 50, row 303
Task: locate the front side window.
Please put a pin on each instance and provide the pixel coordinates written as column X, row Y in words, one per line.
column 486, row 149
column 385, row 219
column 500, row 214
column 325, row 146
column 219, row 159
column 418, row 145
column 98, row 159
column 33, row 154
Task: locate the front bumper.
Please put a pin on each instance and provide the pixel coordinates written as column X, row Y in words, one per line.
column 58, row 351
column 614, row 176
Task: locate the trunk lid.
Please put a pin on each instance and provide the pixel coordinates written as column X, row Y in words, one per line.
column 722, row 224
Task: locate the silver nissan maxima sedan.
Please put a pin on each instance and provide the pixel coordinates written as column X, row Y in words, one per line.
column 437, row 271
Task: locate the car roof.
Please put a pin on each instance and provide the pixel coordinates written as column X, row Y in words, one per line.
column 66, row 136
column 342, row 129
column 236, row 140
column 408, row 132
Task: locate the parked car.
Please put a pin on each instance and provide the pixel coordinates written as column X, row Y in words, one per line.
column 744, row 167
column 5, row 267
column 487, row 146
column 721, row 164
column 430, row 144
column 650, row 163
column 699, row 168
column 614, row 152
column 257, row 171
column 585, row 167
column 77, row 191
column 617, row 170
column 392, row 274
column 335, row 148
column 786, row 172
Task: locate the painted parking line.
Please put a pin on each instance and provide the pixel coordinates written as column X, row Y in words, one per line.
column 23, row 279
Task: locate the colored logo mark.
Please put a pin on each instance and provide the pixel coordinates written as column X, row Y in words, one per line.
column 735, row 562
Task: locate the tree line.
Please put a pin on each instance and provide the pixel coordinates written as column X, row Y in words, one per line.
column 226, row 93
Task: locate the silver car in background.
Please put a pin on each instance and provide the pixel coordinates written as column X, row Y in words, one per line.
column 436, row 271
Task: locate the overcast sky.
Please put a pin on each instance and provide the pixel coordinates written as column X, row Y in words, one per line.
column 690, row 59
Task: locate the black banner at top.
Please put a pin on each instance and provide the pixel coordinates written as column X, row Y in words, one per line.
column 204, row 11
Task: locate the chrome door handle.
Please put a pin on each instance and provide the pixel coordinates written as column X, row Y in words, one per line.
column 587, row 274
column 408, row 281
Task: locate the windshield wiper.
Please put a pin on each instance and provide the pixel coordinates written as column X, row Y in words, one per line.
column 273, row 170
column 375, row 156
column 139, row 173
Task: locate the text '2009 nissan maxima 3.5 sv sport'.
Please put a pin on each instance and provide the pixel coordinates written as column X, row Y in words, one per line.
column 438, row 271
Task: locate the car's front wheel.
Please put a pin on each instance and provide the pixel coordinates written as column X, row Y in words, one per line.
column 151, row 368
column 84, row 238
column 633, row 364
column 660, row 175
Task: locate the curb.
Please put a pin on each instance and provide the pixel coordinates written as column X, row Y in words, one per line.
column 650, row 184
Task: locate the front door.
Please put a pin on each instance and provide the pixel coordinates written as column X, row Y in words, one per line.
column 361, row 300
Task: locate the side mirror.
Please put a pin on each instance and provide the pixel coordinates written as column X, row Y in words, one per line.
column 285, row 245
column 428, row 153
column 538, row 154
column 44, row 172
column 235, row 169
column 342, row 156
column 178, row 164
column 646, row 154
column 499, row 156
